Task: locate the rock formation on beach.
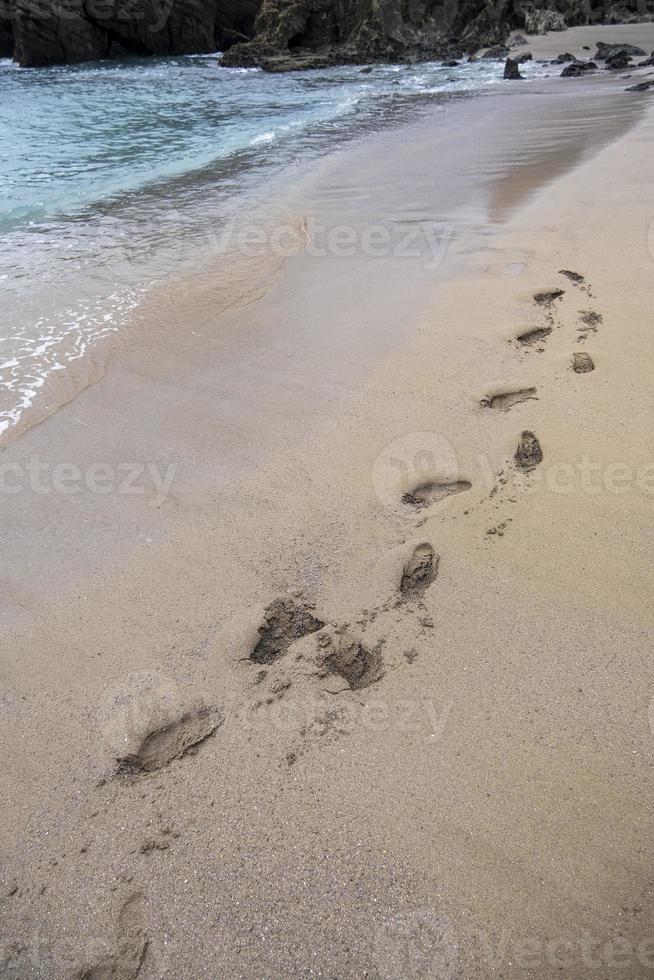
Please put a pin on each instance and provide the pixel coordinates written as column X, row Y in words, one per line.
column 282, row 35
column 512, row 70
column 313, row 33
column 42, row 32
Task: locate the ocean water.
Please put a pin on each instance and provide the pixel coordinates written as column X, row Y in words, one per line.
column 115, row 176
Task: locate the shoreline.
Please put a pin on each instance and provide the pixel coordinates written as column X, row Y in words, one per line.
column 83, row 319
column 229, row 268
column 486, row 784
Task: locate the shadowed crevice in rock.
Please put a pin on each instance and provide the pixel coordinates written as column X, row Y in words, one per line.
column 285, row 622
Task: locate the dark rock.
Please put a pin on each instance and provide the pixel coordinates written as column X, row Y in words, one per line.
column 646, row 64
column 517, row 41
column 359, row 31
column 563, row 58
column 363, row 31
column 539, row 21
column 387, row 30
column 512, row 70
column 521, row 58
column 605, row 51
column 618, row 62
column 73, row 31
column 6, row 33
column 641, row 86
column 450, row 64
column 578, row 68
column 496, row 53
column 280, row 64
column 285, row 35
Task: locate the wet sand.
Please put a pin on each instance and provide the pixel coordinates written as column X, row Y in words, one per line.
column 447, row 774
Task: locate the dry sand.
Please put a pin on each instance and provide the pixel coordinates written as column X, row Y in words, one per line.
column 448, row 774
column 582, row 41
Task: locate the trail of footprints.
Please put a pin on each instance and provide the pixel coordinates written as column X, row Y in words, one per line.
column 529, row 453
column 341, row 658
column 535, row 338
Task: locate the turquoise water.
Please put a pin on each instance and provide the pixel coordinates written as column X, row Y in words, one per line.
column 74, row 135
column 115, row 175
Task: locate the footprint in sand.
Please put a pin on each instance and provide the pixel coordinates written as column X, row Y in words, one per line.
column 285, row 621
column 351, row 664
column 426, row 494
column 505, row 400
column 577, row 279
column 582, row 363
column 419, row 573
column 151, row 721
column 534, row 336
column 574, row 277
column 590, row 321
column 131, row 947
column 163, row 745
column 529, row 453
column 548, row 297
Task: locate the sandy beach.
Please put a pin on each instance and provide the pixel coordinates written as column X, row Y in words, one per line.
column 327, row 603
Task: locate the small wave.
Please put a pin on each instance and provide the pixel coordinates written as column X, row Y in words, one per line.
column 53, row 343
column 119, row 171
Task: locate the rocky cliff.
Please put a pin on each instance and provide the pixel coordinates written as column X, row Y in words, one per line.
column 306, row 33
column 289, row 33
column 46, row 32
